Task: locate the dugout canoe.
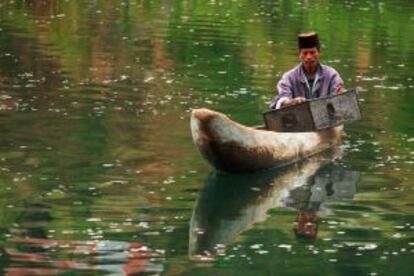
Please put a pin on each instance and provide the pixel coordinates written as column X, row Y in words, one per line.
column 231, row 147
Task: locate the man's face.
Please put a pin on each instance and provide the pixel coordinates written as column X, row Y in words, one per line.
column 309, row 57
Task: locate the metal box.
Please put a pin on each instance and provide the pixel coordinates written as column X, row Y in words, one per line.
column 315, row 114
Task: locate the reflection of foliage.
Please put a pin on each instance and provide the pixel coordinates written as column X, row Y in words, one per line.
column 245, row 41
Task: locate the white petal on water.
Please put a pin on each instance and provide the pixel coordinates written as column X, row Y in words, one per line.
column 94, row 219
column 219, row 246
column 256, row 246
column 143, row 248
column 149, row 79
column 287, row 246
column 368, row 246
column 333, row 260
column 398, row 235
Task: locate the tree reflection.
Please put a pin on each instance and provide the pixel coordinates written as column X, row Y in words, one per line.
column 37, row 256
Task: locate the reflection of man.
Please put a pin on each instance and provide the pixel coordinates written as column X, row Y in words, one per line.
column 330, row 183
column 309, row 79
column 306, row 221
column 306, row 224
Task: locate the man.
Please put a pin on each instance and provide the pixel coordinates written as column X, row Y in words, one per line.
column 309, row 79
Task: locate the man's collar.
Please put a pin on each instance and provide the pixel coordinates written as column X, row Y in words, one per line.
column 302, row 76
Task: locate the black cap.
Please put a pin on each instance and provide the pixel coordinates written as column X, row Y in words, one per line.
column 308, row 40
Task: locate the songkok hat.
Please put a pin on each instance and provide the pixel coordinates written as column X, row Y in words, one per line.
column 308, row 40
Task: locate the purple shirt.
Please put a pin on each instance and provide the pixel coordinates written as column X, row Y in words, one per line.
column 294, row 84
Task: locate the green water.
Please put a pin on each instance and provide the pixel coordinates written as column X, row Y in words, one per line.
column 98, row 171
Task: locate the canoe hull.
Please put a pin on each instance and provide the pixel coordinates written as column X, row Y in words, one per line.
column 231, row 147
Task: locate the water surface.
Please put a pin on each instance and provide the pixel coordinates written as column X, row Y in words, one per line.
column 98, row 172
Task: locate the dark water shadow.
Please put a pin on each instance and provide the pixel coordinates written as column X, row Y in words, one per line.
column 230, row 204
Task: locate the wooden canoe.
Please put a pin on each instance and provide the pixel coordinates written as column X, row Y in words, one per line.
column 232, row 147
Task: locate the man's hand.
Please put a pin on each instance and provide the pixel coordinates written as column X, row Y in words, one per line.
column 340, row 89
column 289, row 102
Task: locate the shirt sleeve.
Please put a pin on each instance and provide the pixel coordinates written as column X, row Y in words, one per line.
column 284, row 88
column 337, row 84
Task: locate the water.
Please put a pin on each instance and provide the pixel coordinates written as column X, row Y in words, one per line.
column 98, row 172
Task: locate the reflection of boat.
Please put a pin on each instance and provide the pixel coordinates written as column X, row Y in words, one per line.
column 231, row 147
column 330, row 183
column 222, row 212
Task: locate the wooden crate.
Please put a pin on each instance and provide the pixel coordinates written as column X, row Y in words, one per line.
column 315, row 114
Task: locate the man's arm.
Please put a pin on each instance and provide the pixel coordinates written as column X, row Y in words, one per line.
column 285, row 96
column 337, row 84
column 285, row 93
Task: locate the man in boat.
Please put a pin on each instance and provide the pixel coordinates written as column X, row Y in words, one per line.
column 308, row 80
